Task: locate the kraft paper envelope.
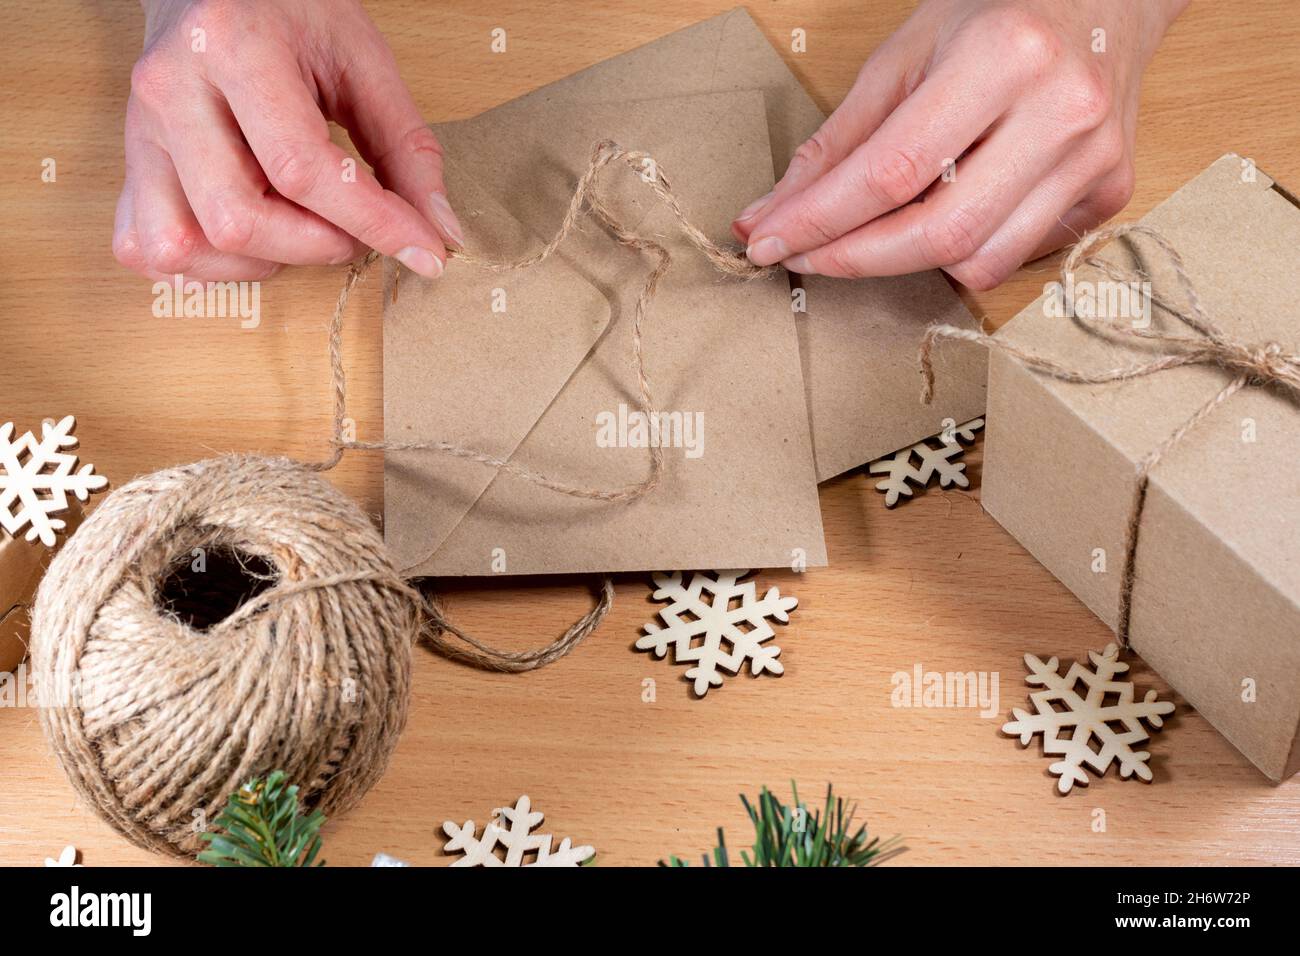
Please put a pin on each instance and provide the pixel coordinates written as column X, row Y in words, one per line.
column 720, row 352
column 858, row 339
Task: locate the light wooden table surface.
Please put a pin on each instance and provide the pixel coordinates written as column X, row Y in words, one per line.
column 935, row 581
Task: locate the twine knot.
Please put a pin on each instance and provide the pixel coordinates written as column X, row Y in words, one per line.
column 1269, row 363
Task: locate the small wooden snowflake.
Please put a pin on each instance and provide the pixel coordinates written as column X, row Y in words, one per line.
column 507, row 841
column 36, row 477
column 1095, row 733
column 67, row 858
column 919, row 464
column 718, row 632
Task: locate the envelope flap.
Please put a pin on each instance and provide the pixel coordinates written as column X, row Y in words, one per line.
column 473, row 358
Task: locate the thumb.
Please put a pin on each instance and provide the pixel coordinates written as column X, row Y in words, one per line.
column 880, row 86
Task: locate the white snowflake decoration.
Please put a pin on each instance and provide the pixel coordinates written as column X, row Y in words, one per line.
column 67, row 858
column 36, row 478
column 1116, row 727
column 918, row 464
column 697, row 627
column 509, row 831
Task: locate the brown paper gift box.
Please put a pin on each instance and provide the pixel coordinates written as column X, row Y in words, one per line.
column 21, row 564
column 1216, row 597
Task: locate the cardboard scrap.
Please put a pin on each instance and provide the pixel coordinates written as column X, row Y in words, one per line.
column 19, row 566
column 22, row 563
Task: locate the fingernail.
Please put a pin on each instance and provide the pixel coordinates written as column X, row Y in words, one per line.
column 767, row 251
column 420, row 261
column 753, row 209
column 446, row 219
column 798, row 264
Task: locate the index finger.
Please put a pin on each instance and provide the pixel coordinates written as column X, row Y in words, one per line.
column 879, row 87
column 290, row 138
column 931, row 128
column 379, row 113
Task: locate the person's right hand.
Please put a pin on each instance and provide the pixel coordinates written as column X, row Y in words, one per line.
column 230, row 171
column 982, row 134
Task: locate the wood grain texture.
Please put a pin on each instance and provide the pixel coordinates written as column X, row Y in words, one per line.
column 935, row 582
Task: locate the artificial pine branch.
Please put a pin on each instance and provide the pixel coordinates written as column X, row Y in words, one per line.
column 800, row 837
column 264, row 827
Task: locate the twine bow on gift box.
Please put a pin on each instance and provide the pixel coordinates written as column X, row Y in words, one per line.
column 1251, row 364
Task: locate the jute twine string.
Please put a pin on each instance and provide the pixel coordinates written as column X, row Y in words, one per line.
column 1249, row 364
column 585, row 201
column 156, row 719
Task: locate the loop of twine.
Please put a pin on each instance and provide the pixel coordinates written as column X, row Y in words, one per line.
column 1251, row 364
column 585, row 200
column 477, row 653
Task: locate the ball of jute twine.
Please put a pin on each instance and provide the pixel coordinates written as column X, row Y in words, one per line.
column 156, row 720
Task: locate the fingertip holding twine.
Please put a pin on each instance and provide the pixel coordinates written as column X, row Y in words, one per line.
column 157, row 718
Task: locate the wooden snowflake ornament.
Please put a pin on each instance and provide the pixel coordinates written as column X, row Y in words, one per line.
column 919, row 464
column 67, row 858
column 36, row 478
column 1114, row 727
column 506, row 841
column 719, row 633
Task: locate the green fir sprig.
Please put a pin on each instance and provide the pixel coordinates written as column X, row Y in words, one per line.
column 797, row 836
column 264, row 827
